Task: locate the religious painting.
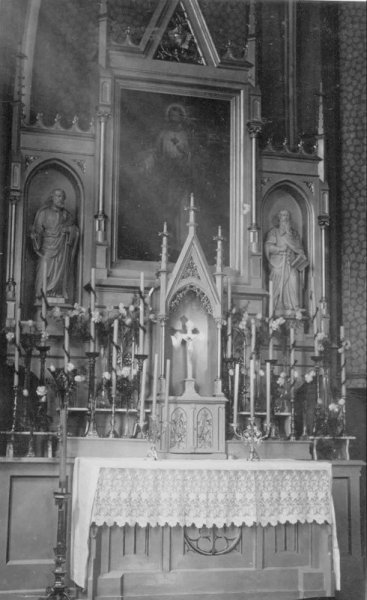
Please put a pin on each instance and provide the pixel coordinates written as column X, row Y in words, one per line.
column 170, row 147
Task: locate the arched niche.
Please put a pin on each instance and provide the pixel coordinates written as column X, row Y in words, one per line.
column 189, row 314
column 286, row 196
column 45, row 178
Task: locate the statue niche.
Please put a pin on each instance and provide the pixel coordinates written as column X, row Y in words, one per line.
column 286, row 257
column 52, row 250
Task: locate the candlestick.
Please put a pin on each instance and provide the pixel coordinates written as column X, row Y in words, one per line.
column 343, row 364
column 268, row 391
column 252, row 387
column 44, row 297
column 235, row 392
column 141, row 315
column 253, row 335
column 114, row 356
column 271, row 310
column 314, row 311
column 293, row 379
column 166, row 396
column 17, row 347
column 229, row 318
column 155, row 385
column 142, row 396
column 66, row 341
column 92, row 330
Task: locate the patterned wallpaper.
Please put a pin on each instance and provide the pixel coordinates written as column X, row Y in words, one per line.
column 352, row 53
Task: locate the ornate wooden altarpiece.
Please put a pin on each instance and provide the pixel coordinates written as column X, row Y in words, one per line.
column 177, row 114
column 172, row 71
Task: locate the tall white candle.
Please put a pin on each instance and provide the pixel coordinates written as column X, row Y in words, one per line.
column 271, row 316
column 292, row 357
column 235, row 392
column 253, row 335
column 229, row 319
column 252, row 387
column 114, row 356
column 44, row 296
column 155, row 386
column 268, row 391
column 92, row 330
column 141, row 315
column 166, row 396
column 17, row 346
column 343, row 369
column 66, row 341
column 314, row 318
column 142, row 395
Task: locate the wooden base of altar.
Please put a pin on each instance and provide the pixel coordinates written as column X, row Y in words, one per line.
column 286, row 562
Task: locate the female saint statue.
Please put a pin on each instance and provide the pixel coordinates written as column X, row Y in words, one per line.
column 286, row 258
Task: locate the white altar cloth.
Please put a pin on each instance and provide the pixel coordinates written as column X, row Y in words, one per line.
column 196, row 492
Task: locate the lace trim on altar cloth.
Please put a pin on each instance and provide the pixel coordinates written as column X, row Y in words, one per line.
column 200, row 492
column 197, row 497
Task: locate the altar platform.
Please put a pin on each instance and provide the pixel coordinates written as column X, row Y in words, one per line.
column 191, row 529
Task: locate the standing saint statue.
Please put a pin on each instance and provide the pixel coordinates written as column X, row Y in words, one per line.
column 55, row 239
column 286, row 258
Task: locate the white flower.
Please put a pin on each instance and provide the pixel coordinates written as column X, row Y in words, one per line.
column 128, row 321
column 56, row 312
column 25, row 393
column 341, row 402
column 231, row 372
column 30, row 323
column 125, row 372
column 299, row 315
column 242, row 324
column 10, row 336
column 283, row 374
column 41, row 390
column 295, row 374
column 259, row 316
column 261, row 372
column 320, row 336
column 320, row 401
column 70, row 367
column 280, row 381
column 106, row 375
column 131, row 308
column 333, row 407
column 52, row 368
column 44, row 335
column 122, row 309
column 109, row 307
column 79, row 378
column 96, row 316
column 309, row 376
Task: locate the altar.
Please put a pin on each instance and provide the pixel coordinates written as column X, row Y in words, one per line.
column 179, row 528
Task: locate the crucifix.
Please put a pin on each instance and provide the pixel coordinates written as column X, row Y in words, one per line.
column 187, row 334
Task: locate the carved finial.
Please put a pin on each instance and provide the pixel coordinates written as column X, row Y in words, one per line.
column 219, row 253
column 164, row 255
column 192, row 209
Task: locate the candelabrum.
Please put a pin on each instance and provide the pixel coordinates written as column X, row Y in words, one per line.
column 59, row 590
column 319, row 407
column 154, row 434
column 251, row 436
column 91, row 428
column 229, row 365
column 140, row 427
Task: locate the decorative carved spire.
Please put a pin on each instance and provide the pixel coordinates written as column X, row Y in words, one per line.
column 192, row 209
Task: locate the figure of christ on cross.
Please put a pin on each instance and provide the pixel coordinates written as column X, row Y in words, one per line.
column 187, row 334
